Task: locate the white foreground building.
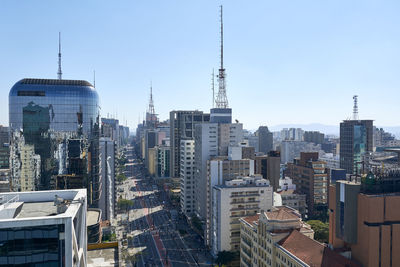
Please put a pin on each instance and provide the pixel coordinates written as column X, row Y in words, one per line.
column 43, row 228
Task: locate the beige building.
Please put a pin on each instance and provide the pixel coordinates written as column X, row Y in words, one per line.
column 30, row 168
column 280, row 238
column 152, row 160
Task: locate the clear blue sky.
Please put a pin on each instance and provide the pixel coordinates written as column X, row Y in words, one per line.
column 286, row 61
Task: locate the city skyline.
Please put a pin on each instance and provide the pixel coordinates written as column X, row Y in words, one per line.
column 298, row 59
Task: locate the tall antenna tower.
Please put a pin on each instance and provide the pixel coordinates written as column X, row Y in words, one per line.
column 355, row 107
column 94, row 78
column 222, row 100
column 151, row 110
column 59, row 73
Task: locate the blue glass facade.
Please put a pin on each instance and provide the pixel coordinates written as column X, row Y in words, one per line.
column 50, row 120
column 64, row 101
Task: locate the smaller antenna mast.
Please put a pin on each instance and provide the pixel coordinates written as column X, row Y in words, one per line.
column 355, row 107
column 59, row 73
column 213, row 88
column 94, row 78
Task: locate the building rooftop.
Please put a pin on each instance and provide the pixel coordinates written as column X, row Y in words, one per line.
column 55, row 82
column 312, row 252
column 286, row 192
column 37, row 209
column 283, row 213
column 253, row 220
column 93, row 217
column 102, row 257
column 40, row 204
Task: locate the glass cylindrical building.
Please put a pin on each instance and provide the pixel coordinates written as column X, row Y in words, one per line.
column 54, row 127
column 62, row 99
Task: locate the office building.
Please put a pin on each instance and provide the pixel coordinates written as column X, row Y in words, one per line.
column 310, row 176
column 314, row 137
column 269, row 167
column 110, row 128
column 332, row 161
column 364, row 218
column 356, row 138
column 44, row 115
column 4, row 148
column 187, row 196
column 291, row 149
column 292, row 134
column 5, row 180
column 241, row 197
column 220, row 170
column 107, row 203
column 46, row 228
column 182, row 125
column 251, row 139
column 163, row 161
column 265, row 139
column 211, row 140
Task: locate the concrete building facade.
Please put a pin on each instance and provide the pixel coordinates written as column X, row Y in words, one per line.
column 182, row 125
column 187, row 197
column 265, row 139
column 245, row 196
column 356, row 138
column 364, row 219
column 46, row 228
column 211, row 140
column 310, row 176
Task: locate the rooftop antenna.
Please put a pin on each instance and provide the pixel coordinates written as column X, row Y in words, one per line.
column 59, row 73
column 94, row 78
column 222, row 100
column 213, row 88
column 355, row 107
column 151, row 103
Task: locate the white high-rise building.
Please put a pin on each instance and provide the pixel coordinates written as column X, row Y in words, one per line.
column 241, row 197
column 187, row 176
column 211, row 140
column 43, row 228
column 220, row 170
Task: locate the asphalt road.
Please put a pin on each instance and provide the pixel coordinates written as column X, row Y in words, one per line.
column 151, row 230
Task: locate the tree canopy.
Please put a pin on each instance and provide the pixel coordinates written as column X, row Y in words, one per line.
column 321, row 230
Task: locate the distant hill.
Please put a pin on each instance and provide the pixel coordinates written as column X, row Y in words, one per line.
column 329, row 129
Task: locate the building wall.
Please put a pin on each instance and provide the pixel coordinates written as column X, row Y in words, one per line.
column 229, row 205
column 187, row 201
column 152, row 161
column 265, row 139
column 107, row 176
column 378, row 230
column 49, row 113
column 356, row 138
column 311, row 181
column 182, row 126
column 218, row 172
column 206, row 147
